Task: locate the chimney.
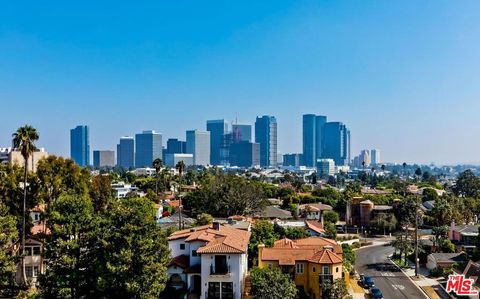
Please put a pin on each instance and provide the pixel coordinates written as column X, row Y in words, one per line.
column 216, row 225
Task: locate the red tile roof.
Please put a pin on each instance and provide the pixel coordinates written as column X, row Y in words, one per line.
column 315, row 226
column 224, row 240
column 312, row 249
column 181, row 261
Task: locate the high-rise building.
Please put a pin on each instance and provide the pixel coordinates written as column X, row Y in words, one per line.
column 363, row 160
column 325, row 167
column 242, row 133
column 245, row 154
column 103, row 158
column 312, row 138
column 126, row 152
column 198, row 144
column 266, row 136
column 171, row 160
column 175, row 146
column 295, row 160
column 80, row 145
column 336, row 143
column 375, row 157
column 148, row 147
column 218, row 129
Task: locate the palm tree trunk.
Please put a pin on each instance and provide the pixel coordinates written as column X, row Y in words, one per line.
column 24, row 277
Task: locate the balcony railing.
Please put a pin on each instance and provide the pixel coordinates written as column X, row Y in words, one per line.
column 325, row 278
column 219, row 270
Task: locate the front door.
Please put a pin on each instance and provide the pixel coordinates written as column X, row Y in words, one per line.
column 197, row 284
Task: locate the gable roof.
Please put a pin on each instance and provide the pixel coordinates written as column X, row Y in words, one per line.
column 181, row 261
column 325, row 256
column 223, row 240
column 315, row 207
column 275, row 212
column 315, row 226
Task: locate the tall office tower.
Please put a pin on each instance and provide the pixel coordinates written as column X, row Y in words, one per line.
column 336, row 143
column 198, row 144
column 218, row 129
column 80, row 145
column 375, row 157
column 364, row 159
column 148, row 147
column 103, row 158
column 266, row 136
column 126, row 152
column 312, row 138
column 242, row 133
column 175, row 146
column 325, row 167
column 245, row 154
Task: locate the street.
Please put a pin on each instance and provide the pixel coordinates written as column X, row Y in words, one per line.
column 373, row 261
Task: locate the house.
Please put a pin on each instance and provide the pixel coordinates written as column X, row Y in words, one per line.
column 313, row 227
column 209, row 261
column 360, row 212
column 122, row 189
column 274, row 212
column 472, row 270
column 310, row 262
column 443, row 260
column 313, row 211
column 463, row 236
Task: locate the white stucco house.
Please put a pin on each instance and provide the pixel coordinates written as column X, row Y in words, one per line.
column 208, row 261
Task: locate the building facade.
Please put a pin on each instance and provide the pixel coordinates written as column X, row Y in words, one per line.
column 218, row 129
column 245, row 154
column 209, row 261
column 148, row 147
column 336, row 143
column 295, row 160
column 198, row 144
column 126, row 152
column 175, row 146
column 103, row 158
column 375, row 157
column 325, row 167
column 80, row 145
column 242, row 133
column 312, row 138
column 171, row 160
column 266, row 136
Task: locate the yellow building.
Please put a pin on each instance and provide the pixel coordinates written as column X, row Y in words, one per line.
column 309, row 261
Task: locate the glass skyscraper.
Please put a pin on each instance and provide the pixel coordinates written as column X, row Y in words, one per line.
column 336, row 143
column 175, row 146
column 312, row 138
column 198, row 144
column 266, row 136
column 80, row 145
column 242, row 133
column 148, row 147
column 126, row 152
column 218, row 129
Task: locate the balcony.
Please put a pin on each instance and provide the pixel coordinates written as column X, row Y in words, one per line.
column 325, row 278
column 219, row 270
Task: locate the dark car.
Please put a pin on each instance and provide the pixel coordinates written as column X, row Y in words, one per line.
column 377, row 294
column 368, row 282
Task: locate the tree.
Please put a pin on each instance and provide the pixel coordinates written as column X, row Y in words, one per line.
column 263, row 232
column 383, row 222
column 157, row 164
column 383, row 167
column 349, row 257
column 133, row 251
column 69, row 248
column 330, row 230
column 439, row 233
column 180, row 167
column 101, row 191
column 442, row 212
column 271, row 283
column 447, row 246
column 467, row 185
column 24, row 141
column 8, row 236
column 429, row 194
column 418, row 172
column 335, row 290
column 204, row 219
column 295, row 233
column 330, row 216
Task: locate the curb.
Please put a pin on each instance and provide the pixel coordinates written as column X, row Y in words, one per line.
column 418, row 287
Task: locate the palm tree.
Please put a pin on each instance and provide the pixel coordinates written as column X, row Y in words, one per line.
column 157, row 164
column 181, row 169
column 24, row 141
column 383, row 167
column 404, row 167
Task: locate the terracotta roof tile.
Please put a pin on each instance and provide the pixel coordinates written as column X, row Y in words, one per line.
column 325, row 256
column 181, row 261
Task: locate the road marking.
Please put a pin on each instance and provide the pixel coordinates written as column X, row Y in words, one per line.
column 398, row 287
column 387, row 274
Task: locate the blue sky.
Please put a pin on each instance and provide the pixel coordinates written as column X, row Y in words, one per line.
column 403, row 75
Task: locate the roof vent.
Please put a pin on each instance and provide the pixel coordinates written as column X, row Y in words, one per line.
column 216, row 225
column 192, row 230
column 328, row 247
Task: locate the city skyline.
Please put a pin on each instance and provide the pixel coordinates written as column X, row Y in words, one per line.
column 401, row 82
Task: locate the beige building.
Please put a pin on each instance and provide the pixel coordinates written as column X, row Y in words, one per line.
column 15, row 157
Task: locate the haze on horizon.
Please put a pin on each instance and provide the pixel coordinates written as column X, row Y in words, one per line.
column 402, row 75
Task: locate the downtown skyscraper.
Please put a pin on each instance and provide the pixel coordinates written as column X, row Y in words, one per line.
column 148, row 147
column 126, row 152
column 198, row 144
column 266, row 136
column 336, row 143
column 80, row 145
column 312, row 138
column 218, row 129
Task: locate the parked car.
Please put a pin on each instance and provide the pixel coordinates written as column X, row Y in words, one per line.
column 368, row 282
column 377, row 294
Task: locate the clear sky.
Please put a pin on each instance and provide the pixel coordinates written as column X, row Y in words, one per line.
column 403, row 75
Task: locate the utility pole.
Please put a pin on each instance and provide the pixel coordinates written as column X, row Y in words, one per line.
column 416, row 237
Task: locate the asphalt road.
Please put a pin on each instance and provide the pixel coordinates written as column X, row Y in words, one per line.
column 373, row 261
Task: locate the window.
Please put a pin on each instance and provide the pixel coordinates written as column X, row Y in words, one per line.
column 32, row 250
column 29, row 271
column 221, row 266
column 214, row 290
column 336, row 269
column 35, row 271
column 300, row 268
column 227, row 290
column 313, row 269
column 194, row 253
column 36, row 250
column 182, row 246
column 325, row 270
